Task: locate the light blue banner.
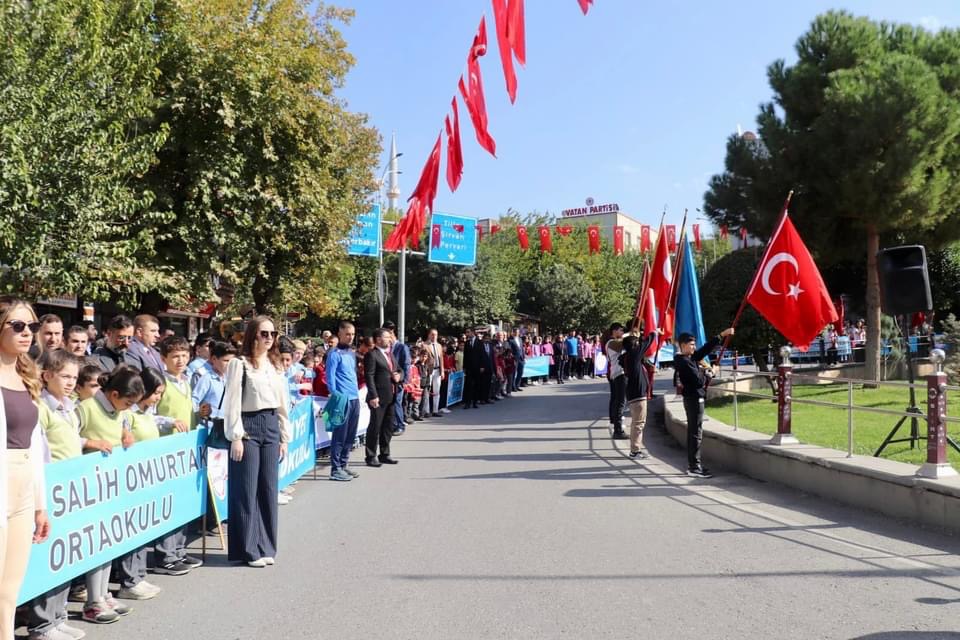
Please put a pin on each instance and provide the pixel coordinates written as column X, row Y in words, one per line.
column 536, row 367
column 301, row 450
column 365, row 238
column 104, row 506
column 453, row 240
column 455, row 388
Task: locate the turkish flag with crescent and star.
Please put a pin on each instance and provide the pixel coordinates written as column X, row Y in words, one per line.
column 645, row 238
column 473, row 98
column 435, row 236
column 788, row 290
column 696, row 236
column 662, row 274
column 672, row 238
column 454, row 149
column 593, row 232
column 458, row 228
column 617, row 240
column 564, row 230
column 522, row 237
column 479, row 228
column 494, row 228
column 421, row 205
column 546, row 241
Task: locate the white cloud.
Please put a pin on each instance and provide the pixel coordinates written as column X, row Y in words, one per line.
column 629, row 169
column 931, row 23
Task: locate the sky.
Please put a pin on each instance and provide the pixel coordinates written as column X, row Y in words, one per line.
column 631, row 104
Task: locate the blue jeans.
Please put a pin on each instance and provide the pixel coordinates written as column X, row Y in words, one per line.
column 399, row 424
column 341, row 439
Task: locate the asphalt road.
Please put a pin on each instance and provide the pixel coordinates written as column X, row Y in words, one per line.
column 524, row 520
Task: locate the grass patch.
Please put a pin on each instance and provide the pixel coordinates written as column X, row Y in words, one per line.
column 827, row 426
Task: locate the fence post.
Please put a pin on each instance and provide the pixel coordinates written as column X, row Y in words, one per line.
column 784, row 401
column 849, row 418
column 937, row 465
column 736, row 406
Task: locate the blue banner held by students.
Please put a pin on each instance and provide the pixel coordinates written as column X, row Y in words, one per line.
column 104, row 506
column 301, row 450
column 455, row 388
column 537, row 366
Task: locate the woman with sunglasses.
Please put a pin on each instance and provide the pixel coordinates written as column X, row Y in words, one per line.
column 23, row 493
column 255, row 422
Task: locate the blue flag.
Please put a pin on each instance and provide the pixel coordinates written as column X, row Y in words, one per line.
column 689, row 315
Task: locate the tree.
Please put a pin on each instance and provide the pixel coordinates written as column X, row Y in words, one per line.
column 264, row 170
column 560, row 294
column 75, row 92
column 864, row 126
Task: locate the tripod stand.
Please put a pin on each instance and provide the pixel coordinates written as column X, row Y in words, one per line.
column 913, row 409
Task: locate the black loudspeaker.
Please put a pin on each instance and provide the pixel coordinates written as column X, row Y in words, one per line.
column 904, row 283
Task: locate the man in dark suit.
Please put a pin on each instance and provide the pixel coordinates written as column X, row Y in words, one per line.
column 382, row 377
column 142, row 349
column 486, row 377
column 472, row 369
column 520, row 355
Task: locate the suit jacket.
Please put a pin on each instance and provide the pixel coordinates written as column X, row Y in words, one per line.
column 488, row 354
column 401, row 358
column 435, row 363
column 516, row 346
column 379, row 376
column 474, row 357
column 140, row 356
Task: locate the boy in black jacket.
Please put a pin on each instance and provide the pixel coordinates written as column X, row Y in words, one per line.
column 692, row 374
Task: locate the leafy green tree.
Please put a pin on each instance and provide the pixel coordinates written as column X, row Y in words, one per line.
column 264, row 169
column 75, row 92
column 865, row 127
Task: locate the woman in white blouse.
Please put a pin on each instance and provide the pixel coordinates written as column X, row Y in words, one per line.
column 255, row 422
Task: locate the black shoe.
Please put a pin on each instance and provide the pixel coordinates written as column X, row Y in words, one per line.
column 172, row 568
column 387, row 460
column 475, row 405
column 373, row 462
column 467, row 406
column 399, row 432
column 191, row 562
column 699, row 473
column 436, row 415
column 618, row 434
column 639, row 454
column 484, row 402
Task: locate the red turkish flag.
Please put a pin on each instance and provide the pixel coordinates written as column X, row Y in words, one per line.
column 454, row 150
column 585, row 5
column 458, row 228
column 645, row 238
column 617, row 240
column 788, row 290
column 546, row 241
column 696, row 236
column 662, row 274
column 564, row 230
column 522, row 237
column 510, row 40
column 474, row 99
column 593, row 233
column 494, row 228
column 479, row 228
column 724, row 234
column 435, row 237
column 650, row 323
column 743, row 234
column 421, row 205
column 672, row 238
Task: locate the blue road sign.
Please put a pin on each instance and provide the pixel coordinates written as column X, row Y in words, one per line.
column 453, row 240
column 364, row 239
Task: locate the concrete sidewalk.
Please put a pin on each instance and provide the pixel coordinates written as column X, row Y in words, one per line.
column 524, row 520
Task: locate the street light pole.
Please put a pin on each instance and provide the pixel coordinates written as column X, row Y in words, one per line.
column 393, row 197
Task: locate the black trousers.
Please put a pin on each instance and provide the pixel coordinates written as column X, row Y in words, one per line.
column 561, row 370
column 618, row 397
column 252, row 489
column 380, row 429
column 693, row 405
column 486, row 388
column 471, row 384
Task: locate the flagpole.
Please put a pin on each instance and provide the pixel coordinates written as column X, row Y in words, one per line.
column 641, row 296
column 743, row 303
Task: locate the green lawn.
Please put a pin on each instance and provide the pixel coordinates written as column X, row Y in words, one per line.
column 827, row 426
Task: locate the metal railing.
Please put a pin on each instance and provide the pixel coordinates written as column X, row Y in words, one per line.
column 912, row 413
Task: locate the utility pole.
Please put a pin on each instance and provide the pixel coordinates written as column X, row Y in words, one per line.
column 393, row 199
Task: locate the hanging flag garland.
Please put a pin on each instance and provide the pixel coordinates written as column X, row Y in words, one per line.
column 510, row 40
column 421, row 205
column 585, row 5
column 476, row 104
column 454, row 150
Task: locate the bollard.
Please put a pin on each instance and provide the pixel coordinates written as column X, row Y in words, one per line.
column 937, row 465
column 784, row 407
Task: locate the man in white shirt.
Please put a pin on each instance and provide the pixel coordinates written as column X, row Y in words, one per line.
column 617, row 380
column 436, row 372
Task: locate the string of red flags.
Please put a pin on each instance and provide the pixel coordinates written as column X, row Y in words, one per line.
column 508, row 16
column 546, row 240
column 473, row 98
column 593, row 233
column 454, row 150
column 421, row 204
column 585, row 5
column 522, row 237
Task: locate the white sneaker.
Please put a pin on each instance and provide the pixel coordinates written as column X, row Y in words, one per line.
column 444, row 410
column 270, row 561
column 73, row 632
column 51, row 634
column 150, row 586
column 283, row 498
column 140, row 591
column 257, row 564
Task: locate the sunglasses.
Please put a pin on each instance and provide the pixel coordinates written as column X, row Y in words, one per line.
column 19, row 325
column 269, row 334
